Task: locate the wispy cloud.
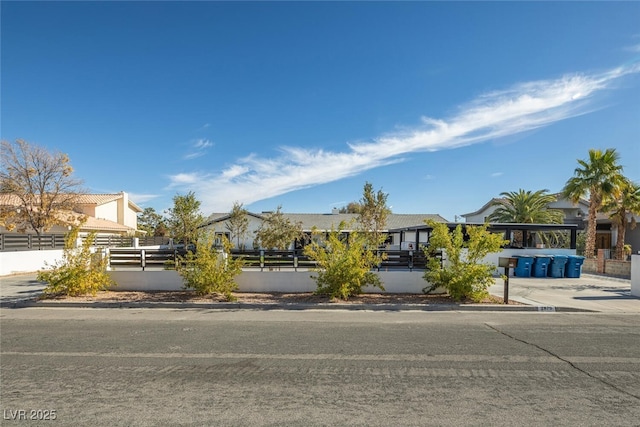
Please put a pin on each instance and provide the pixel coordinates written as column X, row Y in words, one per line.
column 634, row 48
column 496, row 174
column 198, row 148
column 522, row 107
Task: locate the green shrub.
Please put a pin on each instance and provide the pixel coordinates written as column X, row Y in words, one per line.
column 80, row 272
column 210, row 270
column 344, row 268
column 462, row 274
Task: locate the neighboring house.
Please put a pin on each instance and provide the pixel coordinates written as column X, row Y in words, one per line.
column 320, row 222
column 106, row 214
column 109, row 213
column 574, row 213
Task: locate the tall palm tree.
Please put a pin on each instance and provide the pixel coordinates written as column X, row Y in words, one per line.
column 526, row 207
column 600, row 177
column 622, row 208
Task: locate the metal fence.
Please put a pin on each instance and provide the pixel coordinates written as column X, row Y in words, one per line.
column 260, row 259
column 30, row 242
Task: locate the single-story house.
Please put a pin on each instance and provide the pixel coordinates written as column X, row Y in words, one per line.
column 218, row 222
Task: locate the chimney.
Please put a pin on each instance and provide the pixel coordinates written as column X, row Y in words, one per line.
column 123, row 205
column 335, row 211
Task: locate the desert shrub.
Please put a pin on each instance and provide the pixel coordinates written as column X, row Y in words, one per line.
column 344, row 267
column 463, row 274
column 80, row 272
column 210, row 270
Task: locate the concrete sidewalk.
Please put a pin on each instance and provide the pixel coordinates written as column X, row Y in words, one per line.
column 588, row 293
column 20, row 287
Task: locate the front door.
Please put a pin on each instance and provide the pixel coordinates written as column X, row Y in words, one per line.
column 603, row 240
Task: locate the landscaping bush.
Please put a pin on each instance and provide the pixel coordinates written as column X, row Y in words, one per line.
column 210, row 270
column 80, row 272
column 344, row 268
column 462, row 275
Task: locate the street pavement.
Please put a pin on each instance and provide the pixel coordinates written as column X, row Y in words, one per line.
column 202, row 367
column 587, row 293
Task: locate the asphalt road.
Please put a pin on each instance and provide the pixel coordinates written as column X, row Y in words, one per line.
column 202, row 367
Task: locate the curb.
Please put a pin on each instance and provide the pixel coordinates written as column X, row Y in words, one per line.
column 606, row 277
column 292, row 307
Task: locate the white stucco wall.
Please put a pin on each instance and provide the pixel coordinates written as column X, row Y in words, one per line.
column 107, row 211
column 253, row 226
column 131, row 218
column 261, row 281
column 27, row 261
column 635, row 275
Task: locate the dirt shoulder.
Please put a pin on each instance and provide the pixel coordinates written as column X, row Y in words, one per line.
column 269, row 298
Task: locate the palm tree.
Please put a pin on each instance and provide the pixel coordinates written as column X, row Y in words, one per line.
column 622, row 209
column 600, row 177
column 525, row 207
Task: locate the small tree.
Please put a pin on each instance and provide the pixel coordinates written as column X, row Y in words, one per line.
column 41, row 183
column 80, row 272
column 463, row 274
column 344, row 267
column 238, row 223
column 185, row 218
column 351, row 208
column 210, row 270
column 373, row 214
column 278, row 232
column 151, row 222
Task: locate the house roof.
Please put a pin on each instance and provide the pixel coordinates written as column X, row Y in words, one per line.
column 101, row 199
column 219, row 217
column 99, row 224
column 82, row 199
column 487, row 205
column 484, row 207
column 329, row 220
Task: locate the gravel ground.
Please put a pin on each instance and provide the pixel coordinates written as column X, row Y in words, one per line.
column 267, row 298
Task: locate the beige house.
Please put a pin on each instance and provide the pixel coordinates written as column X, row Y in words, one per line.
column 106, row 214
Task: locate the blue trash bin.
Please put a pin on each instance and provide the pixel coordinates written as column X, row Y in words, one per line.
column 574, row 266
column 557, row 266
column 523, row 267
column 541, row 265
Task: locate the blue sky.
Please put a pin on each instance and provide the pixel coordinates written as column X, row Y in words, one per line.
column 442, row 105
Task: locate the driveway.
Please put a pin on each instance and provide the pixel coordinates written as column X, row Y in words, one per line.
column 589, row 292
column 19, row 287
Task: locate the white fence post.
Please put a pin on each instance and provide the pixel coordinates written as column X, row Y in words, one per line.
column 635, row 275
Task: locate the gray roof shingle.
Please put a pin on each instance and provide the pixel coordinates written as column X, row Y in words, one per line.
column 329, row 220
